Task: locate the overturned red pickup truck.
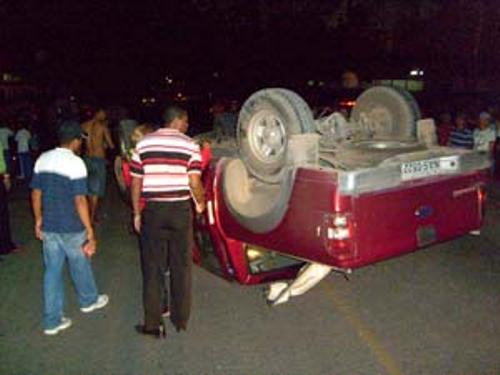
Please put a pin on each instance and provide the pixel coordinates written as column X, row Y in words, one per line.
column 293, row 198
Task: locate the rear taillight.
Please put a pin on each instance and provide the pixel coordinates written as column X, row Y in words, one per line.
column 338, row 234
column 341, row 229
column 481, row 198
column 481, row 194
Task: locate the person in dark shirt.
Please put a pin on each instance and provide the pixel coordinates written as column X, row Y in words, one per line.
column 6, row 243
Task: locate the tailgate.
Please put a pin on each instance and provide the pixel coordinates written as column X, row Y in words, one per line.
column 417, row 214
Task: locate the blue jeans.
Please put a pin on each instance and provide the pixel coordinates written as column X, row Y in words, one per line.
column 96, row 179
column 57, row 247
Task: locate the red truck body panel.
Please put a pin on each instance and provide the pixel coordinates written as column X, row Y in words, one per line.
column 381, row 224
column 229, row 252
column 393, row 222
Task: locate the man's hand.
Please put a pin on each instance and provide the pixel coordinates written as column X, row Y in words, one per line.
column 38, row 229
column 137, row 223
column 36, row 204
column 7, row 182
column 135, row 196
column 197, row 192
column 89, row 247
column 200, row 208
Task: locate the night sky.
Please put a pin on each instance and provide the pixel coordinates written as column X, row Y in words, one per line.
column 119, row 49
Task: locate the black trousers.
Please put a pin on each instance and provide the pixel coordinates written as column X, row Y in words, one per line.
column 166, row 241
column 6, row 244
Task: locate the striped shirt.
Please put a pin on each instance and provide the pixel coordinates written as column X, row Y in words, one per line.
column 164, row 159
column 61, row 176
column 461, row 138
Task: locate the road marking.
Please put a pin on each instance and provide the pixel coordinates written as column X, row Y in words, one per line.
column 366, row 335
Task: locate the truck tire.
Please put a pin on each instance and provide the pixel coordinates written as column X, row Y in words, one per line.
column 391, row 113
column 257, row 206
column 266, row 121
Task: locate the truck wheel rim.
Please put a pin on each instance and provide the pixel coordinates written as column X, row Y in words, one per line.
column 267, row 136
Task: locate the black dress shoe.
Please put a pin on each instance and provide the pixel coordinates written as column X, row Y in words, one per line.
column 159, row 332
column 180, row 327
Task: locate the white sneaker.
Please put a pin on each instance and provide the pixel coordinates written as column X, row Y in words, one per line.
column 102, row 300
column 65, row 323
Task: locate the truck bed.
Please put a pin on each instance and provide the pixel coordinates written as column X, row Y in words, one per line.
column 388, row 214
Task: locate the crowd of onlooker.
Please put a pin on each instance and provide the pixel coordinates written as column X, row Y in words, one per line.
column 23, row 138
column 20, row 146
column 461, row 131
column 480, row 133
column 27, row 131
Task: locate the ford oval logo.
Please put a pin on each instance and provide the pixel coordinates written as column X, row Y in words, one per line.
column 424, row 212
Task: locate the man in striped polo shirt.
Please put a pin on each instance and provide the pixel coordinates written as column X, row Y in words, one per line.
column 461, row 136
column 166, row 171
column 62, row 222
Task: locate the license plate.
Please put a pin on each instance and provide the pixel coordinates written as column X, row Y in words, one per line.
column 420, row 169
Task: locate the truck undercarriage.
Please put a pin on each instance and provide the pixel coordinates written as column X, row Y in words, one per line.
column 293, row 198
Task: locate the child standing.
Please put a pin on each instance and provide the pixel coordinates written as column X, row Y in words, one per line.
column 137, row 134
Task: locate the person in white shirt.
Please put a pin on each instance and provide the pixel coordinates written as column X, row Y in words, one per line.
column 22, row 138
column 5, row 134
column 484, row 134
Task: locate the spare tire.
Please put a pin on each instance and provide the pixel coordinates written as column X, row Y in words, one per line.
column 257, row 206
column 266, row 121
column 387, row 112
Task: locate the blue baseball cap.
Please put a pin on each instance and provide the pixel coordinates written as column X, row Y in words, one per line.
column 70, row 130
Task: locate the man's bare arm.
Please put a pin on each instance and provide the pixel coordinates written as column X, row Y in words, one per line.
column 197, row 190
column 36, row 204
column 135, row 196
column 107, row 136
column 82, row 207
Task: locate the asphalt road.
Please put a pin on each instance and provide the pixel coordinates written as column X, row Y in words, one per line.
column 435, row 311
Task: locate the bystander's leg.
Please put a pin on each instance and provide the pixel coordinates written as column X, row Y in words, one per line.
column 53, row 286
column 180, row 265
column 6, row 244
column 80, row 268
column 153, row 255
